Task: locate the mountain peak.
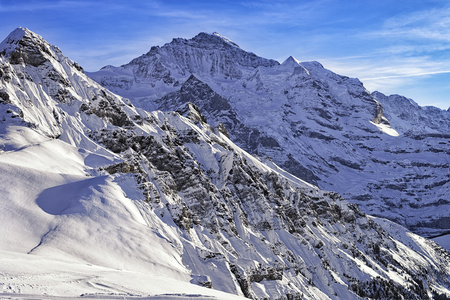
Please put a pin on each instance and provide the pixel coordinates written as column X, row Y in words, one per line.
column 24, row 46
column 12, row 40
column 206, row 54
column 291, row 61
column 225, row 39
column 214, row 38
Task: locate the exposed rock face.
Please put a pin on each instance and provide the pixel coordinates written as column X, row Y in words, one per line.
column 411, row 119
column 322, row 127
column 240, row 226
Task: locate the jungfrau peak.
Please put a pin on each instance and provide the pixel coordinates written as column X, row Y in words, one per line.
column 102, row 198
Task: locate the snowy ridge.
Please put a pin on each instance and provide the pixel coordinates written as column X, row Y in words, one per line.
column 388, row 156
column 114, row 201
column 230, row 42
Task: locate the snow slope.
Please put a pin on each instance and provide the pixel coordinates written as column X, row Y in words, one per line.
column 387, row 155
column 101, row 199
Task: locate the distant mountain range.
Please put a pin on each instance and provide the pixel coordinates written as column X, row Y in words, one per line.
column 386, row 154
column 201, row 183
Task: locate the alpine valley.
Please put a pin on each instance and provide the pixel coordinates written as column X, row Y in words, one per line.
column 216, row 174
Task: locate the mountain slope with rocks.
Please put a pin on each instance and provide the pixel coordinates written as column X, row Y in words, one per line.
column 103, row 199
column 389, row 156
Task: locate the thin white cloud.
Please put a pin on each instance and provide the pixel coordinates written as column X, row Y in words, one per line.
column 412, row 49
column 407, row 75
column 436, row 16
column 427, row 24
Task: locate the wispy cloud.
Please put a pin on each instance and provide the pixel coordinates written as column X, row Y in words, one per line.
column 406, row 75
column 426, row 24
column 436, row 16
column 388, row 67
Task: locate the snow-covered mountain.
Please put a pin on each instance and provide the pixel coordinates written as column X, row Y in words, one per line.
column 103, row 199
column 386, row 154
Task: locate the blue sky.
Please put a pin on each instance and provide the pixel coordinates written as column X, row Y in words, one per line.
column 396, row 47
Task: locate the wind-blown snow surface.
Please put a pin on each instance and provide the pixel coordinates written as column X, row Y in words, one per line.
column 390, row 157
column 104, row 200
